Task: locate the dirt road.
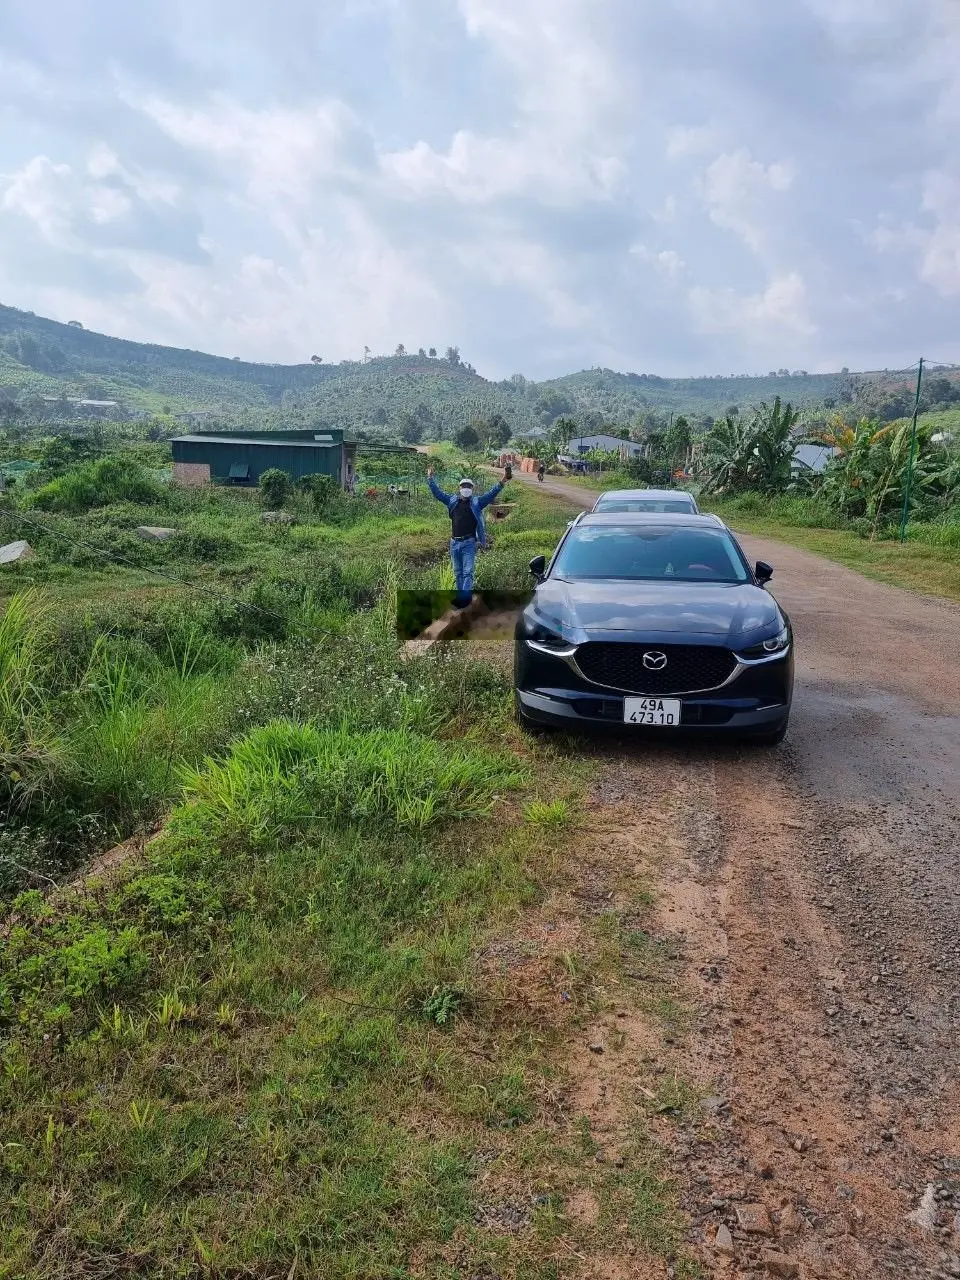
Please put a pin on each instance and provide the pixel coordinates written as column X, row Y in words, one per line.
column 815, row 892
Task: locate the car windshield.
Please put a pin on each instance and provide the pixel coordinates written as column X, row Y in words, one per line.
column 674, row 507
column 644, row 553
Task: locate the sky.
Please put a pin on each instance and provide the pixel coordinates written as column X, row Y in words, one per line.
column 682, row 188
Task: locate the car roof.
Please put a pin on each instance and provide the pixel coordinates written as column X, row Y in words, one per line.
column 666, row 519
column 652, row 495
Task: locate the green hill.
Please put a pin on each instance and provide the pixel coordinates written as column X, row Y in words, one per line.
column 78, row 362
column 41, row 357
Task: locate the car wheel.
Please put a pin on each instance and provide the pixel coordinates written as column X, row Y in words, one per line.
column 770, row 739
column 528, row 726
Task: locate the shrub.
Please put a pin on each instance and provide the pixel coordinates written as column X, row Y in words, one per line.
column 96, row 484
column 196, row 545
column 322, row 490
column 275, row 488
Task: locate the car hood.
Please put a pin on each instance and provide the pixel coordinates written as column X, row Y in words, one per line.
column 726, row 613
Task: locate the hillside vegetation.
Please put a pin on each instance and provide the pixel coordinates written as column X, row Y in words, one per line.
column 382, row 394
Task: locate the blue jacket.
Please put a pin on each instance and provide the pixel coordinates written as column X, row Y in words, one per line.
column 476, row 504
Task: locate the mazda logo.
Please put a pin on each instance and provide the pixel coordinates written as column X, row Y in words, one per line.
column 654, row 661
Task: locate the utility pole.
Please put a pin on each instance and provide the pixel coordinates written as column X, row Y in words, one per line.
column 913, row 453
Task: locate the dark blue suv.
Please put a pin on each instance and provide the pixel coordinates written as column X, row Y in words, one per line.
column 657, row 622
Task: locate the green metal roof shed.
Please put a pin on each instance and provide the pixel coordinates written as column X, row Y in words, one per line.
column 241, row 457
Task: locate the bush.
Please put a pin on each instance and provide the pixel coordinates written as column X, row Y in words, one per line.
column 97, row 484
column 275, row 488
column 196, row 545
column 322, row 491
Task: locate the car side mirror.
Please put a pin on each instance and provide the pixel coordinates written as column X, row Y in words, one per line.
column 763, row 572
column 538, row 566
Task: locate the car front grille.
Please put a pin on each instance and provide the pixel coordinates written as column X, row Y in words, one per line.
column 689, row 667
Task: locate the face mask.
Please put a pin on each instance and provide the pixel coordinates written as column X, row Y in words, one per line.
column 465, row 492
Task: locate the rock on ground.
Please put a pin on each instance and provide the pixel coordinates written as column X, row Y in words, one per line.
column 14, row 552
column 155, row 533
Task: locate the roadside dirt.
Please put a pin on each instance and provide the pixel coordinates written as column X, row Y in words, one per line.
column 812, row 897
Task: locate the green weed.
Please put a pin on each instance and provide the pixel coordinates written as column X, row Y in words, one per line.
column 547, row 813
column 286, row 775
column 442, row 1005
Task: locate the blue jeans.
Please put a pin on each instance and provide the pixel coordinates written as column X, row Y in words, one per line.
column 463, row 553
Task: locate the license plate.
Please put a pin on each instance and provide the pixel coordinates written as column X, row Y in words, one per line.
column 663, row 713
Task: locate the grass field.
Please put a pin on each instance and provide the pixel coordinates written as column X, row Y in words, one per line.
column 265, row 1046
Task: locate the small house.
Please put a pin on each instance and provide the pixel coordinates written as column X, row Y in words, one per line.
column 606, row 444
column 811, row 458
column 241, row 457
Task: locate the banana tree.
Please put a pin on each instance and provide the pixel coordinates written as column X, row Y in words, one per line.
column 853, row 473
column 724, row 456
column 771, row 460
column 737, row 454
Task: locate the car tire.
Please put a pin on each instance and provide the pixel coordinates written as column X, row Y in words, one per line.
column 770, row 739
column 533, row 727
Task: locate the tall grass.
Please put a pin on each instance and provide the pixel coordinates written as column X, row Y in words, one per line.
column 139, row 723
column 31, row 750
column 291, row 776
column 937, row 533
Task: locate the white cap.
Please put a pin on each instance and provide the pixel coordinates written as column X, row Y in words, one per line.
column 465, row 482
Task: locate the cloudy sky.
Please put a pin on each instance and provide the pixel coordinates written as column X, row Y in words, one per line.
column 670, row 186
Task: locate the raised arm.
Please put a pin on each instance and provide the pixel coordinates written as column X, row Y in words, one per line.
column 486, row 498
column 435, row 489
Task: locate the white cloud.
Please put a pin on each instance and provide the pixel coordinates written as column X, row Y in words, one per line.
column 940, row 246
column 735, row 189
column 280, row 152
column 762, row 319
column 666, row 260
column 689, row 140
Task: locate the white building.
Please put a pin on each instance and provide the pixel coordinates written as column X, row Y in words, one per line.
column 608, row 444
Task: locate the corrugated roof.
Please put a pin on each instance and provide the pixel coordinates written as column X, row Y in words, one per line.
column 264, row 441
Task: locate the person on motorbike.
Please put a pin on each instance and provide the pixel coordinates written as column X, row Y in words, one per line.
column 540, row 472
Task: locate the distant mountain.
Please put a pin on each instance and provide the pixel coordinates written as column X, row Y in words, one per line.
column 41, row 357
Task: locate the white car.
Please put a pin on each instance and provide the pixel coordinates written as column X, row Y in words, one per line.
column 668, row 501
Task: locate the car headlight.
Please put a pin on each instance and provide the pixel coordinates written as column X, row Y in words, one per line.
column 768, row 648
column 540, row 632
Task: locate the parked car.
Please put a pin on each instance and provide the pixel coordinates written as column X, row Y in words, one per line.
column 672, row 501
column 655, row 621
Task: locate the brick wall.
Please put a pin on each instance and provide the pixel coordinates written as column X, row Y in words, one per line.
column 191, row 474
column 518, row 462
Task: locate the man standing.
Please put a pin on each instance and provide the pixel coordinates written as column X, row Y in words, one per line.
column 467, row 531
